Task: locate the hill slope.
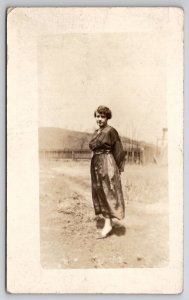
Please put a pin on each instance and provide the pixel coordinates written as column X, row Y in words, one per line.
column 51, row 138
column 57, row 138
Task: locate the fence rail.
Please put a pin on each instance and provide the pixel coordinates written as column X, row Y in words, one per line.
column 134, row 155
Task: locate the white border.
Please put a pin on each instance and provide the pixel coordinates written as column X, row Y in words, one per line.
column 25, row 274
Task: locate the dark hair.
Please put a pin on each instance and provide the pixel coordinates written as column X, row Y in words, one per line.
column 104, row 110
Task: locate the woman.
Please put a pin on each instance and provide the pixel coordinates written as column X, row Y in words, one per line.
column 106, row 165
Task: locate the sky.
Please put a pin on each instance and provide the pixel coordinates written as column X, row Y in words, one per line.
column 124, row 71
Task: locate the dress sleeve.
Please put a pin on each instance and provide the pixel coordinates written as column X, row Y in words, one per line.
column 117, row 150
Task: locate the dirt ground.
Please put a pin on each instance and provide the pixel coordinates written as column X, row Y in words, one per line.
column 69, row 230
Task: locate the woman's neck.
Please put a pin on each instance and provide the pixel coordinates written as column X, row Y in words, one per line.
column 101, row 128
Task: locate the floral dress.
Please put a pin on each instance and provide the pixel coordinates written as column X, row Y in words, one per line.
column 106, row 164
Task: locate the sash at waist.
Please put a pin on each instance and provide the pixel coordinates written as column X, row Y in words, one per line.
column 102, row 151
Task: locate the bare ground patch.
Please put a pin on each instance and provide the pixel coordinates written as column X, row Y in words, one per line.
column 69, row 230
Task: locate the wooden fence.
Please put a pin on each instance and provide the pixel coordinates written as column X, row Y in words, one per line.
column 65, row 154
column 132, row 155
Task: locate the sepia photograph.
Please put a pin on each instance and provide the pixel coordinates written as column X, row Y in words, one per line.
column 103, row 151
column 95, row 150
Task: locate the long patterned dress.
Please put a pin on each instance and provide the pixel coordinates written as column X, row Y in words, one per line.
column 106, row 164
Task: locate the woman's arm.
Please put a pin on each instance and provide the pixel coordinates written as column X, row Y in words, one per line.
column 117, row 150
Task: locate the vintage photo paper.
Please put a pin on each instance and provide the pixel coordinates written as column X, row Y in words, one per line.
column 95, row 150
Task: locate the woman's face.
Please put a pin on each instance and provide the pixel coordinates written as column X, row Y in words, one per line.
column 101, row 120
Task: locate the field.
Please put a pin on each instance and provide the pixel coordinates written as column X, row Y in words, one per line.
column 69, row 230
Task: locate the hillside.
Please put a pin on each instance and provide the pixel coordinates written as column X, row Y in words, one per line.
column 51, row 138
column 57, row 138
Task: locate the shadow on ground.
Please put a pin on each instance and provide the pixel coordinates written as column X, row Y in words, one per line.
column 117, row 228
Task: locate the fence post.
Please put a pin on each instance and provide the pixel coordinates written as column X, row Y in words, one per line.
column 73, row 155
column 133, row 153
